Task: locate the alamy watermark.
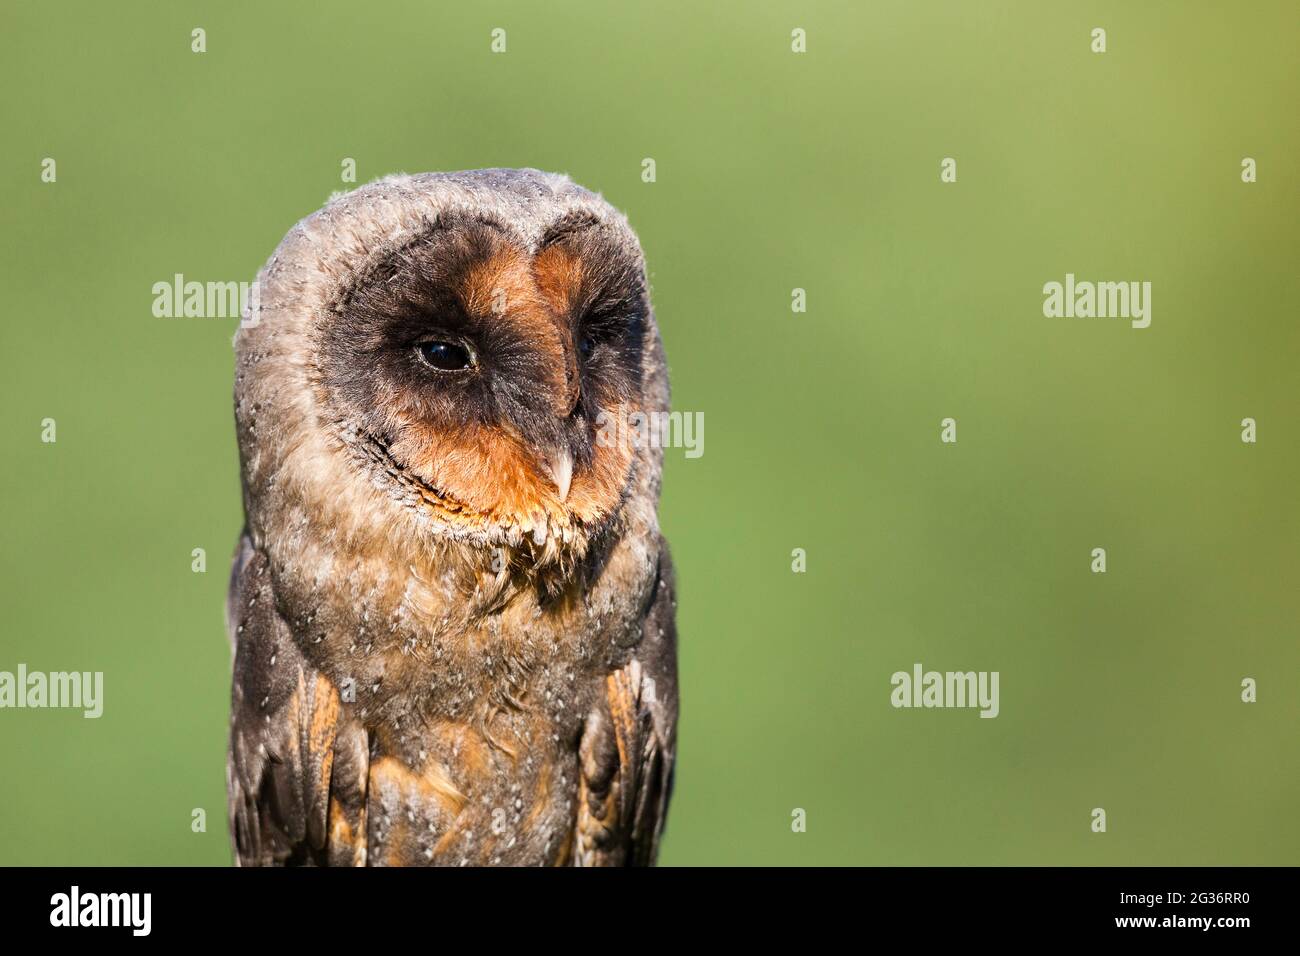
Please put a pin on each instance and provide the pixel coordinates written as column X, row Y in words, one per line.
column 1101, row 300
column 922, row 688
column 75, row 908
column 189, row 299
column 83, row 690
column 652, row 430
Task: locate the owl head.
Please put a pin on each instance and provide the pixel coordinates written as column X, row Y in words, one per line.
column 440, row 358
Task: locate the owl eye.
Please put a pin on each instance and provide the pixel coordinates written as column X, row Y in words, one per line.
column 445, row 356
column 585, row 345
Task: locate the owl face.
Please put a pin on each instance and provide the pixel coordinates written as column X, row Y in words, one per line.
column 463, row 346
column 473, row 371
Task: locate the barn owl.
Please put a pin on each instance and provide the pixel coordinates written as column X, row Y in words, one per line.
column 451, row 609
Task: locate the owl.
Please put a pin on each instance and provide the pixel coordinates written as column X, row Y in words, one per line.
column 451, row 609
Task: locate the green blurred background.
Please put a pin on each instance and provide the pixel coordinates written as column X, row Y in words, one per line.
column 775, row 170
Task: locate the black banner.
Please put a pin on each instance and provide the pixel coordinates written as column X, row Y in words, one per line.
column 1158, row 904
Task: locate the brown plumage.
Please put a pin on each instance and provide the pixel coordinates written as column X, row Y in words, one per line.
column 451, row 608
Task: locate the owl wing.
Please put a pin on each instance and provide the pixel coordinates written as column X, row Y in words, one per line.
column 295, row 771
column 629, row 744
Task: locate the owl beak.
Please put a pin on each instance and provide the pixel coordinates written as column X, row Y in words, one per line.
column 560, row 464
